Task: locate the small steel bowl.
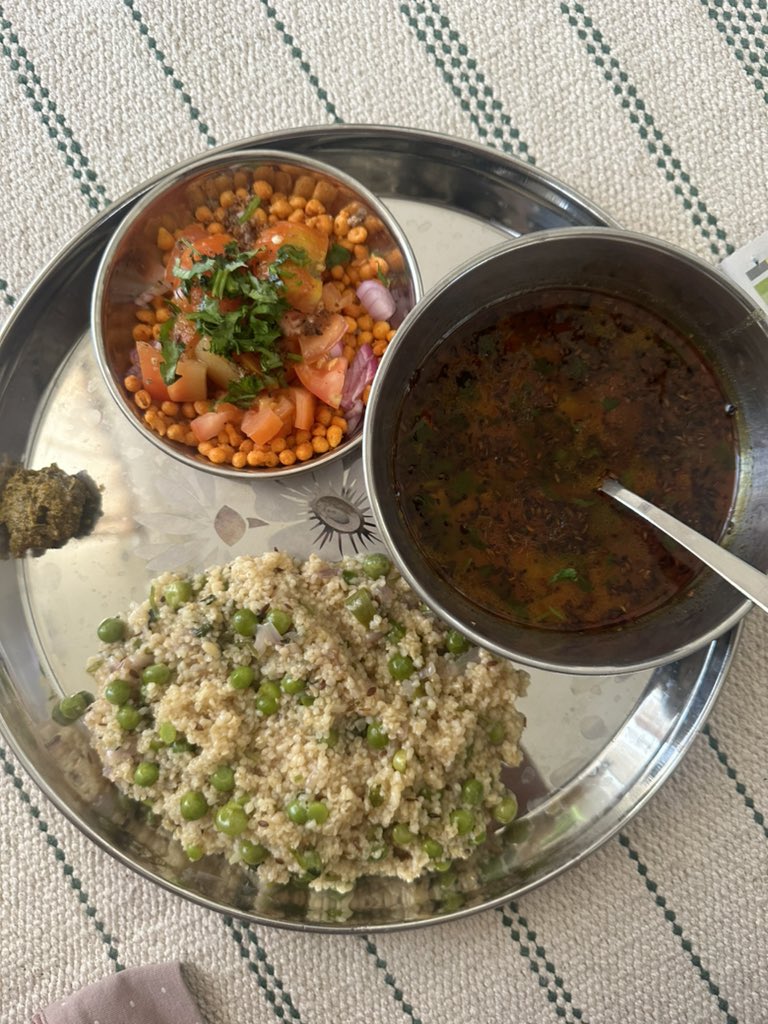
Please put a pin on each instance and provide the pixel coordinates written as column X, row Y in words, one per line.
column 131, row 272
column 692, row 296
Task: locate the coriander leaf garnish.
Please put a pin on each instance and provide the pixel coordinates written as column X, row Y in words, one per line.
column 245, row 390
column 337, row 256
column 565, row 574
column 250, row 209
column 572, row 576
column 293, row 253
column 196, row 270
column 171, row 351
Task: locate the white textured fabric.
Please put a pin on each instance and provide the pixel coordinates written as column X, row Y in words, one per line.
column 657, row 111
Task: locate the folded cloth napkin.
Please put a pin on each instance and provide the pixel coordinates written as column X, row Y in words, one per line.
column 155, row 994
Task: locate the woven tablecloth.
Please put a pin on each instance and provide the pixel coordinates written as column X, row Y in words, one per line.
column 656, row 111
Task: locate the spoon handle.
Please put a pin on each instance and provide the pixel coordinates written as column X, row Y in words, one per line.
column 744, row 577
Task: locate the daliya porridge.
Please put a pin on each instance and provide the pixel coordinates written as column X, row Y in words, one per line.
column 313, row 721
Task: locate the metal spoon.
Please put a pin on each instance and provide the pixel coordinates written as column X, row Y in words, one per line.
column 744, row 577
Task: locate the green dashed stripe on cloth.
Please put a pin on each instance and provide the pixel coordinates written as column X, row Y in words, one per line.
column 460, row 71
column 540, row 964
column 639, row 115
column 50, row 117
column 302, row 61
column 68, row 871
column 8, row 299
column 671, row 917
column 274, row 991
column 140, row 24
column 757, row 816
column 389, row 980
column 742, row 32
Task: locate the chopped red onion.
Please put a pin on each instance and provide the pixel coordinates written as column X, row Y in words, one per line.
column 377, row 299
column 354, row 415
column 266, row 636
column 360, row 373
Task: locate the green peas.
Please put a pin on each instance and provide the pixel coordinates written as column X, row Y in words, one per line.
column 377, row 851
column 442, row 865
column 432, row 848
column 306, row 700
column 348, row 575
column 146, row 773
column 402, row 835
column 472, row 792
column 167, row 732
column 375, row 796
column 297, row 812
column 266, row 705
column 223, row 779
column 309, row 861
column 280, row 619
column 69, row 709
column 376, row 736
column 193, row 805
column 317, row 811
column 128, row 717
column 158, row 673
column 331, row 740
column 268, row 698
column 401, row 666
column 111, row 630
column 292, row 686
column 241, row 678
column 194, row 852
column 181, row 745
column 456, row 642
column 231, row 819
column 251, row 853
column 361, row 605
column 244, row 622
column 375, row 566
column 396, row 633
column 463, row 821
column 496, row 733
column 506, row 810
column 400, row 760
column 177, row 593
column 451, row 902
column 118, row 691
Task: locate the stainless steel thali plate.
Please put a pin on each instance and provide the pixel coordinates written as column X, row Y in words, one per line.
column 596, row 748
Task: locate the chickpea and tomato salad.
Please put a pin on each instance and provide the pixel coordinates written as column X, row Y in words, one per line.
column 261, row 348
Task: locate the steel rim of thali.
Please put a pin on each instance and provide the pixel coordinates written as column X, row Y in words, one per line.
column 717, row 661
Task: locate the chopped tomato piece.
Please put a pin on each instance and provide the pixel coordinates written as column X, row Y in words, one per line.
column 261, row 423
column 221, row 371
column 325, row 379
column 286, row 410
column 194, row 240
column 332, row 329
column 209, row 424
column 149, row 367
column 304, row 404
column 191, row 384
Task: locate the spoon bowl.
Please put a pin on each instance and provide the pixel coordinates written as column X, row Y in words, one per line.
column 740, row 574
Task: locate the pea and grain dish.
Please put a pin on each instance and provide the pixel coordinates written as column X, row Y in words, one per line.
column 312, row 721
column 258, row 345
